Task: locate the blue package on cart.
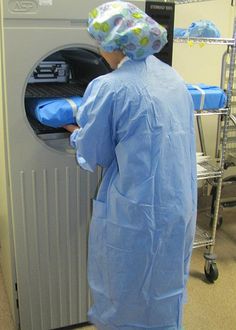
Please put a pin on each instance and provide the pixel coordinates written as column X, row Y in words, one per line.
column 180, row 32
column 198, row 29
column 54, row 112
column 207, row 97
column 203, row 29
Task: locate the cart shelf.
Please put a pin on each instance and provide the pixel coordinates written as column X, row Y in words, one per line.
column 211, row 41
column 211, row 112
column 230, row 139
column 231, row 128
column 202, row 238
column 207, row 168
column 182, row 2
column 231, row 150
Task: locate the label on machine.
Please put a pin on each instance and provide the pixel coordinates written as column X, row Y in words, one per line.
column 45, row 2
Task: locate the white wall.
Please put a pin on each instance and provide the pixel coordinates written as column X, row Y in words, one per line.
column 202, row 64
column 197, row 64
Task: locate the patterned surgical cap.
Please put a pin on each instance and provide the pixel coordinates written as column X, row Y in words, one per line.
column 119, row 25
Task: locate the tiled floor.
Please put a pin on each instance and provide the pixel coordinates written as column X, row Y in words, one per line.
column 213, row 306
column 210, row 306
column 6, row 322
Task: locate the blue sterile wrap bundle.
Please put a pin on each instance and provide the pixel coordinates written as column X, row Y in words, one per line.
column 207, row 97
column 198, row 29
column 203, row 29
column 55, row 112
column 179, row 32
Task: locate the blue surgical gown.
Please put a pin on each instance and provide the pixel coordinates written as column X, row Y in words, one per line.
column 137, row 124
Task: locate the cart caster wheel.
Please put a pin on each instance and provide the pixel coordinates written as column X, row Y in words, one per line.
column 211, row 273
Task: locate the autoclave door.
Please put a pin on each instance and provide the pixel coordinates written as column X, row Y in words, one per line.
column 51, row 196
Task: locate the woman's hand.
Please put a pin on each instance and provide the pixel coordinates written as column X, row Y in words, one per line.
column 70, row 128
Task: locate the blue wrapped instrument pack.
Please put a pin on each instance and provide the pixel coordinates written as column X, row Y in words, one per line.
column 207, row 97
column 203, row 29
column 54, row 112
column 198, row 29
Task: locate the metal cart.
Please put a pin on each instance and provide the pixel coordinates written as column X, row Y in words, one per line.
column 211, row 170
column 229, row 182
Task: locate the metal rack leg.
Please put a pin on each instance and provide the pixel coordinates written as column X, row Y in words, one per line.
column 201, row 135
column 210, row 268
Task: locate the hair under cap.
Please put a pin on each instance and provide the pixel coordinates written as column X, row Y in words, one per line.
column 119, row 25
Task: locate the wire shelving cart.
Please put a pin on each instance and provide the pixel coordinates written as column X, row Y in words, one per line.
column 208, row 168
column 230, row 150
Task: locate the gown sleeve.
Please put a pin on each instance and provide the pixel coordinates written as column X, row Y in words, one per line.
column 93, row 141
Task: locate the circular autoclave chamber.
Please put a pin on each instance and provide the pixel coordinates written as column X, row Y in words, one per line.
column 61, row 75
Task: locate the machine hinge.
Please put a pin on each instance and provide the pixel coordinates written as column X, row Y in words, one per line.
column 17, row 300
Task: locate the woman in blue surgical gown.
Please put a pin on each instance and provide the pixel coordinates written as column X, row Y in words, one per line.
column 137, row 124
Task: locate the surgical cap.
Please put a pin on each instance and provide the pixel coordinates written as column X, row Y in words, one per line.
column 119, row 25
